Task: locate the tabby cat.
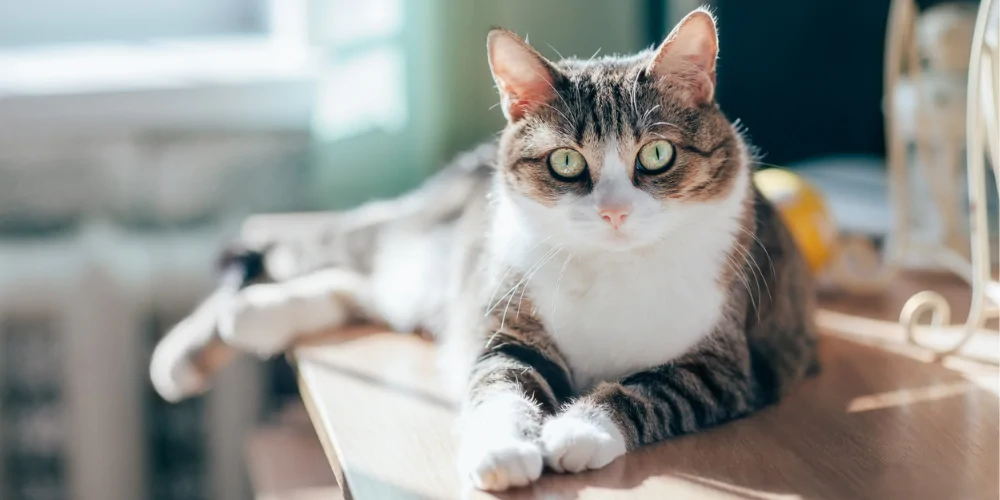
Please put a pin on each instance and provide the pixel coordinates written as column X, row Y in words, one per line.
column 606, row 271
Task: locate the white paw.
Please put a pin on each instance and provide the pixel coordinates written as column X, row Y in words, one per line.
column 262, row 320
column 574, row 442
column 173, row 374
column 496, row 463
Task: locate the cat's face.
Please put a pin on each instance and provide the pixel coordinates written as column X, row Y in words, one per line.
column 615, row 153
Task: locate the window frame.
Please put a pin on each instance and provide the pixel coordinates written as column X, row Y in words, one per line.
column 268, row 82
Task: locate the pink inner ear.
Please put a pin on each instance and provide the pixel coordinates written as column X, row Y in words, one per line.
column 697, row 49
column 527, row 96
column 524, row 79
column 687, row 57
column 525, row 82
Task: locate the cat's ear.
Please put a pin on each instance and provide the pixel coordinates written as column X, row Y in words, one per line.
column 525, row 78
column 687, row 56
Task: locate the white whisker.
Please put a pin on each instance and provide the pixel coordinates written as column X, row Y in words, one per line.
column 554, row 50
column 513, row 291
column 528, row 281
column 753, row 262
column 556, row 291
column 553, row 108
column 746, row 284
column 762, row 247
column 635, row 84
column 509, row 268
column 645, row 116
column 595, row 54
column 742, row 253
column 556, row 92
column 666, row 124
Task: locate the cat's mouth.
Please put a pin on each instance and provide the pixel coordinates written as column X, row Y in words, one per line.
column 618, row 240
column 619, row 236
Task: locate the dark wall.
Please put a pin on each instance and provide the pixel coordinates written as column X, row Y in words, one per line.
column 805, row 76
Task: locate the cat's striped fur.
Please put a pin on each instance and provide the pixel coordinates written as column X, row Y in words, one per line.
column 763, row 344
column 696, row 311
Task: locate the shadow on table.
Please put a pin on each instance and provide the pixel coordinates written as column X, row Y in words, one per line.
column 873, row 424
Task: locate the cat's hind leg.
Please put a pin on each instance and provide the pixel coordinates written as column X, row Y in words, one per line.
column 189, row 354
column 267, row 318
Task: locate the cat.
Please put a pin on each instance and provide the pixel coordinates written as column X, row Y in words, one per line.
column 606, row 274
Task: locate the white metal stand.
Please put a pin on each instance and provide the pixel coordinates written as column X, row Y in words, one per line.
column 981, row 139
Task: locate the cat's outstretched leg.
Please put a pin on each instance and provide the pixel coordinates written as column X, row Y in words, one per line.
column 266, row 318
column 190, row 353
column 263, row 318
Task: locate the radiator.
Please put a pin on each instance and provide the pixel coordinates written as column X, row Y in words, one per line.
column 79, row 315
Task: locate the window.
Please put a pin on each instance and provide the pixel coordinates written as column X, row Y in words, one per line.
column 363, row 86
column 155, row 64
column 59, row 22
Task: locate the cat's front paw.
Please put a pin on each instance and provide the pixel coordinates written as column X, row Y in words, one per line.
column 497, row 463
column 576, row 441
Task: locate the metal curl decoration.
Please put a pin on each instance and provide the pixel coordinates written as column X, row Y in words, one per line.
column 980, row 141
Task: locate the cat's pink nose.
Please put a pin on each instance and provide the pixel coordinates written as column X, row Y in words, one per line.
column 615, row 216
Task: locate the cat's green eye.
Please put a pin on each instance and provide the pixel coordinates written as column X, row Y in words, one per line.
column 655, row 157
column 567, row 163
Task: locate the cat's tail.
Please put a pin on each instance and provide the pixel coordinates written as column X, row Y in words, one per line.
column 190, row 354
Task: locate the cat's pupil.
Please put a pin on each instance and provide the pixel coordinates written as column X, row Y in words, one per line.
column 657, row 151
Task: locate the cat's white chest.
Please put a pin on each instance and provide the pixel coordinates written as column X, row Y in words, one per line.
column 617, row 316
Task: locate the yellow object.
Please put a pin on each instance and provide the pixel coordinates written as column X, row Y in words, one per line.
column 803, row 211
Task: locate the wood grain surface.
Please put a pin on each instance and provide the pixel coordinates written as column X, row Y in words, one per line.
column 882, row 420
column 286, row 462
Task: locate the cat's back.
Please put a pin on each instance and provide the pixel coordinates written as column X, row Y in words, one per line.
column 423, row 260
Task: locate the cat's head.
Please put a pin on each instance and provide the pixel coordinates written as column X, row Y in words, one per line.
column 619, row 152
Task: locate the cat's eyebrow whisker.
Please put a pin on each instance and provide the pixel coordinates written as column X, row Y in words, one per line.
column 646, row 115
column 554, row 91
column 553, row 108
column 666, row 124
column 635, row 84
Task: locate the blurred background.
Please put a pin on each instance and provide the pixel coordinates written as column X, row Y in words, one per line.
column 135, row 135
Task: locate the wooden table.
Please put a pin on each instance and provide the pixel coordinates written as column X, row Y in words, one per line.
column 882, row 421
column 285, row 460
